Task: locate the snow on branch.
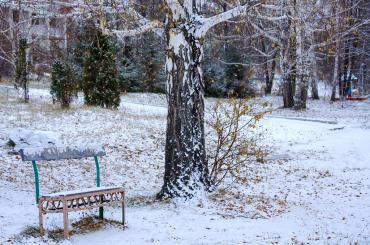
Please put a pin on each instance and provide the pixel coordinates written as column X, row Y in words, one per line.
column 148, row 26
column 177, row 10
column 232, row 13
column 265, row 33
column 144, row 23
column 270, row 18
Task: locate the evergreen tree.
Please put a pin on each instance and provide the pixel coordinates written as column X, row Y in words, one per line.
column 99, row 76
column 131, row 69
column 22, row 69
column 234, row 70
column 63, row 83
column 142, row 67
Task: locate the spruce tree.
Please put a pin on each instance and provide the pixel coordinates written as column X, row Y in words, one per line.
column 63, row 83
column 130, row 75
column 99, row 79
column 142, row 69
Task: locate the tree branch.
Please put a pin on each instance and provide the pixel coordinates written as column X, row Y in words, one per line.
column 232, row 13
column 149, row 26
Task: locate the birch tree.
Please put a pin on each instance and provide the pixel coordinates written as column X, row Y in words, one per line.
column 282, row 33
column 184, row 29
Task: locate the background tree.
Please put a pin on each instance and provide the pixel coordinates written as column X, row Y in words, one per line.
column 64, row 84
column 142, row 64
column 99, row 82
column 22, row 69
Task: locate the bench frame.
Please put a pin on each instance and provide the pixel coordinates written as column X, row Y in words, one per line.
column 79, row 201
column 74, row 201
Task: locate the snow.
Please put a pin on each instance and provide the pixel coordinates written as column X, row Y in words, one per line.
column 62, row 152
column 349, row 77
column 24, row 138
column 314, row 187
column 81, row 191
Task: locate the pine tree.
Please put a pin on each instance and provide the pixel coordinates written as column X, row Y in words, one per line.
column 99, row 77
column 63, row 83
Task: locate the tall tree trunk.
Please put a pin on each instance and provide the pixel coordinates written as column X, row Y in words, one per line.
column 12, row 38
column 345, row 74
column 273, row 68
column 314, row 89
column 302, row 76
column 314, row 76
column 186, row 167
column 268, row 79
column 288, row 82
column 287, row 61
column 335, row 81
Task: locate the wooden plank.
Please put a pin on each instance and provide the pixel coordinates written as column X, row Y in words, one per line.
column 59, row 153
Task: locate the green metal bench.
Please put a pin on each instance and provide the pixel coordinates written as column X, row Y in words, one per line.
column 63, row 202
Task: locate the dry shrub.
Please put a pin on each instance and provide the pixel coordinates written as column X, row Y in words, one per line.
column 235, row 147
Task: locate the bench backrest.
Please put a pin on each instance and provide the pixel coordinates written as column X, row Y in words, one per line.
column 60, row 153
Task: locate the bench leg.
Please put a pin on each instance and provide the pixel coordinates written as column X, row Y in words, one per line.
column 65, row 220
column 41, row 226
column 101, row 209
column 123, row 213
column 101, row 212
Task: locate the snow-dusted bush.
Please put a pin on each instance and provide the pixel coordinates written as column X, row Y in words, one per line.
column 234, row 144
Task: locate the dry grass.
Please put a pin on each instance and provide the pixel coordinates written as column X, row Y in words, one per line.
column 85, row 225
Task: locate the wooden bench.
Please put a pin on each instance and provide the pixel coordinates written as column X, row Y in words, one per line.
column 64, row 202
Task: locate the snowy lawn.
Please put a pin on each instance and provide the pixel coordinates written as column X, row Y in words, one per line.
column 317, row 190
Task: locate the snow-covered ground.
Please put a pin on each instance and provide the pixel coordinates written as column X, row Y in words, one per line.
column 317, row 191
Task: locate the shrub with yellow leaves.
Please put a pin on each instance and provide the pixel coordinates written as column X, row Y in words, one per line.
column 234, row 140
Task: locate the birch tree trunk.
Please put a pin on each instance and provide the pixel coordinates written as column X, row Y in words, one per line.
column 288, row 84
column 186, row 166
column 269, row 72
column 11, row 30
column 335, row 81
column 186, row 161
column 288, row 69
column 302, row 76
column 335, row 73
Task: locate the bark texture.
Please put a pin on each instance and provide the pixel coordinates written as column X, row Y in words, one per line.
column 289, row 76
column 314, row 78
column 186, row 166
column 302, row 61
column 269, row 69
